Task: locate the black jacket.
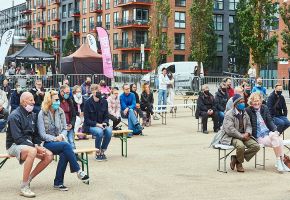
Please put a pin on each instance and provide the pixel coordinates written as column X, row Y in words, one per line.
column 22, row 128
column 146, row 101
column 265, row 115
column 204, row 103
column 73, row 113
column 221, row 100
column 136, row 96
column 277, row 109
column 95, row 112
column 37, row 98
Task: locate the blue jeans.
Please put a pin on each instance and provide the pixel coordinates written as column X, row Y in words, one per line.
column 282, row 123
column 132, row 121
column 71, row 138
column 66, row 155
column 221, row 117
column 3, row 123
column 162, row 96
column 103, row 137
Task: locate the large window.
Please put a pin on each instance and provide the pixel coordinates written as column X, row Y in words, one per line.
column 219, row 43
column 70, row 10
column 48, row 31
column 48, row 15
column 180, row 3
column 107, row 21
column 64, row 13
column 218, row 22
column 178, row 58
column 107, row 5
column 84, row 9
column 179, row 19
column 84, row 25
column 115, row 60
column 233, row 4
column 92, row 5
column 91, row 22
column 179, row 41
column 218, row 4
column 70, row 26
column 115, row 3
column 116, row 17
column 63, row 28
column 142, row 14
column 115, row 40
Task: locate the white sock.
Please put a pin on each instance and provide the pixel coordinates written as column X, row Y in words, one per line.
column 24, row 184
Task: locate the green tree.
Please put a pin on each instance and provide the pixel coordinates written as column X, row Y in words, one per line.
column 29, row 39
column 255, row 18
column 69, row 46
column 203, row 37
column 237, row 49
column 159, row 40
column 285, row 34
column 48, row 45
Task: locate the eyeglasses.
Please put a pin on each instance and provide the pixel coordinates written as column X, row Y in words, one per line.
column 56, row 99
column 126, row 88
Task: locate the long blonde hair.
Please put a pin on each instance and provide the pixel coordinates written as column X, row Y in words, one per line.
column 47, row 101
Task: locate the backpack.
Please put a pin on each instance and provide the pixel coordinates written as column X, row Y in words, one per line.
column 217, row 138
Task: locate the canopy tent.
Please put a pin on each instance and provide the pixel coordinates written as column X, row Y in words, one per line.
column 83, row 61
column 29, row 54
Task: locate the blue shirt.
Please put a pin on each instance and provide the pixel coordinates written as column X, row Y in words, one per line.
column 128, row 101
column 262, row 129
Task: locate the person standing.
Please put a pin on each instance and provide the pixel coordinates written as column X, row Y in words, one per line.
column 252, row 75
column 162, row 89
column 7, row 89
column 38, row 93
column 170, row 90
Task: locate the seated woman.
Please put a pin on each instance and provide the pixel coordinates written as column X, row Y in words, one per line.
column 264, row 130
column 78, row 102
column 52, row 129
column 146, row 104
column 104, row 89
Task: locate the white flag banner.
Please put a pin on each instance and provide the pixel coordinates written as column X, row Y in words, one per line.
column 92, row 42
column 6, row 41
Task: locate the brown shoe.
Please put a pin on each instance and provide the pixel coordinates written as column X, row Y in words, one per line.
column 240, row 167
column 233, row 162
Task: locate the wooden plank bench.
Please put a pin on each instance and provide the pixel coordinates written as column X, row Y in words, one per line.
column 123, row 135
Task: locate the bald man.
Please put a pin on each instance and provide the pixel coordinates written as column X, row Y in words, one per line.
column 230, row 104
column 23, row 142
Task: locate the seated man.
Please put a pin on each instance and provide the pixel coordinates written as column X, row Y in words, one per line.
column 128, row 110
column 23, row 142
column 278, row 109
column 96, row 121
column 220, row 99
column 206, row 108
column 3, row 117
column 237, row 131
column 238, row 90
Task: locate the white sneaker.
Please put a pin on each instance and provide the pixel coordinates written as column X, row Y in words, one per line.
column 279, row 165
column 286, row 169
column 26, row 192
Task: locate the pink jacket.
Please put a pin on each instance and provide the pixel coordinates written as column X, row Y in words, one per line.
column 105, row 90
column 114, row 106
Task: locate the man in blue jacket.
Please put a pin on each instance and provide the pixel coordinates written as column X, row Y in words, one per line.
column 278, row 109
column 128, row 110
column 96, row 121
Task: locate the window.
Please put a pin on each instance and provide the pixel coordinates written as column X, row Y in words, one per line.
column 218, row 22
column 178, row 58
column 48, row 15
column 218, row 4
column 54, row 14
column 107, row 21
column 107, row 6
column 99, row 20
column 84, row 40
column 233, row 4
column 116, row 17
column 180, row 3
column 125, row 60
column 91, row 22
column 125, row 15
column 115, row 3
column 64, row 15
column 231, row 19
column 115, row 60
column 84, row 25
column 141, row 37
column 99, row 4
column 84, row 10
column 179, row 41
column 218, row 64
column 63, row 28
column 142, row 15
column 164, row 40
column 92, row 7
column 115, row 40
column 164, row 21
column 219, row 43
column 70, row 10
column 179, row 20
column 70, row 26
column 48, row 31
column 125, row 39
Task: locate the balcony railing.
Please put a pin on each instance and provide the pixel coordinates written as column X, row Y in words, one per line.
column 55, row 34
column 94, row 25
column 26, row 24
column 97, row 8
column 76, row 31
column 41, row 6
column 135, row 2
column 131, row 45
column 76, row 13
column 55, row 2
column 125, row 23
column 41, row 21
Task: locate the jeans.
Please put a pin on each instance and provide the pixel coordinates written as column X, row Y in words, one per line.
column 66, row 155
column 282, row 123
column 221, row 116
column 71, row 138
column 132, row 121
column 162, row 95
column 103, row 137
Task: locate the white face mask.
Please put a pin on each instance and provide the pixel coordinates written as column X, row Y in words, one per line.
column 78, row 95
column 29, row 108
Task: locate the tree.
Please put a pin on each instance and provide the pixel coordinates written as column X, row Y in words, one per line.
column 48, row 45
column 69, row 46
column 285, row 34
column 159, row 41
column 29, row 39
column 203, row 38
column 237, row 49
column 255, row 18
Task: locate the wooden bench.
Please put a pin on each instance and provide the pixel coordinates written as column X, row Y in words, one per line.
column 123, row 135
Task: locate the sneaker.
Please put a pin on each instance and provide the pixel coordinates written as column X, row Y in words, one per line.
column 82, row 176
column 26, row 192
column 60, row 187
column 280, row 167
column 99, row 158
column 104, row 157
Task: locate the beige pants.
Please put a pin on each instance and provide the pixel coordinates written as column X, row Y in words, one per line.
column 245, row 149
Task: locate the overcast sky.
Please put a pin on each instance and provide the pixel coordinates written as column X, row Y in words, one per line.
column 8, row 3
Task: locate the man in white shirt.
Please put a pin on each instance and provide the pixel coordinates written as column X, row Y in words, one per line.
column 252, row 75
column 162, row 89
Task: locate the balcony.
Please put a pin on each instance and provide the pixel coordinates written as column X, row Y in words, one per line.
column 55, row 2
column 135, row 67
column 131, row 23
column 40, row 37
column 55, row 34
column 26, row 24
column 76, row 13
column 96, row 9
column 41, row 6
column 55, row 18
column 123, row 3
column 41, row 22
column 76, row 32
column 131, row 45
column 26, row 11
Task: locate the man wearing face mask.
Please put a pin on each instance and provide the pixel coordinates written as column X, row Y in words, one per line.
column 221, row 98
column 96, row 122
column 278, row 109
column 237, row 131
column 66, row 103
column 86, row 86
column 15, row 97
column 38, row 94
column 206, row 108
column 259, row 87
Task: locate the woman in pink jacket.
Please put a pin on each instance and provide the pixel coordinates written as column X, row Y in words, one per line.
column 104, row 89
column 114, row 108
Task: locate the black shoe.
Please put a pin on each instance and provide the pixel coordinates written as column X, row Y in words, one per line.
column 60, row 187
column 104, row 157
column 99, row 158
column 205, row 131
column 216, row 130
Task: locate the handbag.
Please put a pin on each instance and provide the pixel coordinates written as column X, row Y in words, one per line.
column 286, row 160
